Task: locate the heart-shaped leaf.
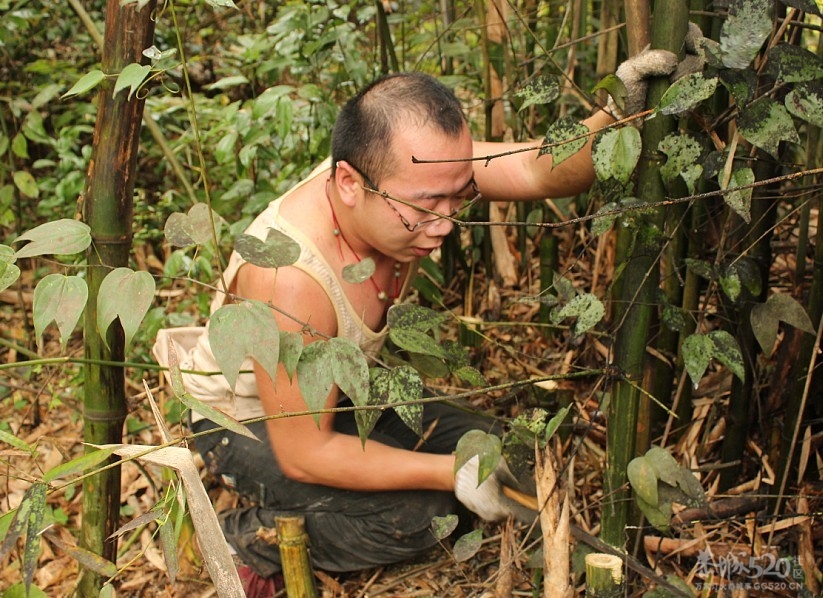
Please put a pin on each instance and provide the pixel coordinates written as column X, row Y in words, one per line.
column 59, row 299
column 194, row 228
column 487, row 447
column 242, row 330
column 127, row 295
column 58, row 237
column 276, row 251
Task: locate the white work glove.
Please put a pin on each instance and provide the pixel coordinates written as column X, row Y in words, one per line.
column 634, row 73
column 487, row 499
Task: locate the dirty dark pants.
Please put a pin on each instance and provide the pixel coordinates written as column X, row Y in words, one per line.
column 347, row 530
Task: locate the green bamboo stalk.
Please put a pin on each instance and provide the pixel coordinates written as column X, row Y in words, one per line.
column 294, row 555
column 638, row 288
column 108, row 210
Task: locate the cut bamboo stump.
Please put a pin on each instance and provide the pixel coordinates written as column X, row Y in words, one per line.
column 604, row 576
column 294, row 556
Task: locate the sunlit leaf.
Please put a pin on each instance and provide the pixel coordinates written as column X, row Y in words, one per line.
column 686, row 93
column 125, row 295
column 805, row 101
column 765, row 123
column 16, row 442
column 744, row 30
column 78, row 465
column 467, row 546
column 539, row 91
column 242, row 330
column 615, row 153
column 58, row 237
column 565, row 137
column 59, row 299
column 615, row 87
column 228, row 82
column 276, row 251
column 88, row 81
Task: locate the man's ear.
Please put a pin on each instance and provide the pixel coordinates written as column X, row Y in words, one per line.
column 348, row 183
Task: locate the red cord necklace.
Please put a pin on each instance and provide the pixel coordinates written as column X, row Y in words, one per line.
column 381, row 294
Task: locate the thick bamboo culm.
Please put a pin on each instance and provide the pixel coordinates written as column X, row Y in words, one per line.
column 294, row 557
column 604, row 576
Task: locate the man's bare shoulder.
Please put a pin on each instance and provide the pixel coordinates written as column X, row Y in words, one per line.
column 296, row 298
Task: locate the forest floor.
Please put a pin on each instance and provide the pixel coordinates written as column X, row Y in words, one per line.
column 40, row 407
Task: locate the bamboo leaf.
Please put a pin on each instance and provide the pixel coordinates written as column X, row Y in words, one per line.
column 78, row 465
column 86, row 559
column 276, row 251
column 555, row 423
column 487, row 447
column 643, row 479
column 193, row 228
column 58, row 237
column 168, row 541
column 17, row 443
column 242, row 330
column 25, row 183
column 137, row 522
column 740, row 200
column 88, row 81
column 131, row 77
column 697, row 354
column 805, row 101
column 315, row 377
column 686, row 93
column 765, row 318
column 467, row 545
column 727, row 351
column 359, row 272
column 765, row 123
column 59, row 299
column 126, row 295
column 34, row 525
column 565, row 137
column 9, row 272
column 539, row 91
column 442, row 527
column 746, row 27
column 615, row 154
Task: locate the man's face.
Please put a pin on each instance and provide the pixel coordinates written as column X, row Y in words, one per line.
column 410, row 202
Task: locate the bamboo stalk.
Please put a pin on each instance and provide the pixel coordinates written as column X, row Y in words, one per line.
column 604, row 576
column 294, row 557
column 108, row 209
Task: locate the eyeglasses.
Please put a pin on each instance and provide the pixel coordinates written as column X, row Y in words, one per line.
column 451, row 217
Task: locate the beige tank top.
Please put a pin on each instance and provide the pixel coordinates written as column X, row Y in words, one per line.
column 243, row 402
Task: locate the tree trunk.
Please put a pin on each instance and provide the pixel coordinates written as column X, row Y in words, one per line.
column 108, row 210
